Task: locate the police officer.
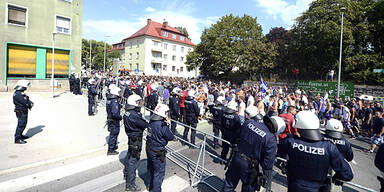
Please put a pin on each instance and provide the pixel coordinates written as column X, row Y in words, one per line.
column 256, row 145
column 22, row 104
column 192, row 113
column 158, row 136
column 231, row 125
column 153, row 98
column 379, row 163
column 174, row 108
column 217, row 113
column 310, row 156
column 134, row 124
column 334, row 133
column 71, row 82
column 113, row 114
column 91, row 96
column 76, row 85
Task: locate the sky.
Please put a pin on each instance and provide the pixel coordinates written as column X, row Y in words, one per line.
column 114, row 20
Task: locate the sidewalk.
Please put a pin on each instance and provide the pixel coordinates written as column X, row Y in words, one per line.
column 58, row 127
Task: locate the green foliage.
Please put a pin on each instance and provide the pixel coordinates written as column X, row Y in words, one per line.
column 232, row 44
column 183, row 30
column 97, row 54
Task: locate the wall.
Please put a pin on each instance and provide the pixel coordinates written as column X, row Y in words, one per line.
column 41, row 24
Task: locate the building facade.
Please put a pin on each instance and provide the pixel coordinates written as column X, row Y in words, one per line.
column 156, row 49
column 26, row 41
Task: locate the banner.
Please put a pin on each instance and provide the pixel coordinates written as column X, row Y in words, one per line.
column 346, row 89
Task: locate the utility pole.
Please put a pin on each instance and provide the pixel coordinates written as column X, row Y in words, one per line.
column 90, row 56
column 53, row 64
column 340, row 54
column 105, row 50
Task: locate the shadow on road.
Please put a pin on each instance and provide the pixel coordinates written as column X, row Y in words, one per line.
column 35, row 130
column 143, row 171
column 358, row 147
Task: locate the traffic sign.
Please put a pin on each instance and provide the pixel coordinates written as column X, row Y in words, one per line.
column 378, row 70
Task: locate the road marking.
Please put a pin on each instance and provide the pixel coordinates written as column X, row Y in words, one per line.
column 36, row 179
column 174, row 184
column 100, row 184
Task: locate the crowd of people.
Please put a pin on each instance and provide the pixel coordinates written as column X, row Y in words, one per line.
column 259, row 122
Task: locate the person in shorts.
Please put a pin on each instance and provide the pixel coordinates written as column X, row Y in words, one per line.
column 377, row 130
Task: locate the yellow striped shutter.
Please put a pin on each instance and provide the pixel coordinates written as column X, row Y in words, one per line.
column 21, row 60
column 61, row 62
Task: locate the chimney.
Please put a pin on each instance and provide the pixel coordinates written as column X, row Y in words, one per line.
column 148, row 21
column 165, row 24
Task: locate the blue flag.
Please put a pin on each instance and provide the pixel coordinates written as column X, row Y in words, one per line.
column 263, row 85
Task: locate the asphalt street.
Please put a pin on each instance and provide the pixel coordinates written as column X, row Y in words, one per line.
column 67, row 152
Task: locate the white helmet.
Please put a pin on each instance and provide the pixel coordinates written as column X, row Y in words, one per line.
column 134, row 101
column 334, row 128
column 91, row 81
column 279, row 124
column 22, row 84
column 122, row 83
column 160, row 112
column 220, row 99
column 308, row 125
column 176, row 90
column 191, row 93
column 252, row 111
column 111, row 86
column 115, row 91
column 232, row 105
column 154, row 86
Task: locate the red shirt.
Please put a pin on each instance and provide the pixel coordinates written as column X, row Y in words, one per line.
column 288, row 118
column 182, row 98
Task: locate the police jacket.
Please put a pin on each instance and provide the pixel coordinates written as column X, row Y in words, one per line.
column 134, row 123
column 139, row 91
column 257, row 142
column 153, row 99
column 159, row 135
column 21, row 101
column 379, row 159
column 174, row 105
column 343, row 146
column 127, row 91
column 309, row 162
column 113, row 108
column 217, row 112
column 92, row 90
column 71, row 79
column 191, row 108
column 230, row 121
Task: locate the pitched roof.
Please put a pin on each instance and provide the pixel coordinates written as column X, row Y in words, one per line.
column 156, row 29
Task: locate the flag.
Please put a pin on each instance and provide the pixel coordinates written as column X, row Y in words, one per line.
column 263, row 85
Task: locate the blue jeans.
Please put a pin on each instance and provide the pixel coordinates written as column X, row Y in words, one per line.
column 114, row 130
column 156, row 170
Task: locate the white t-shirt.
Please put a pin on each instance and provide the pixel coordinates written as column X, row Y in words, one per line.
column 344, row 113
column 251, row 101
column 242, row 109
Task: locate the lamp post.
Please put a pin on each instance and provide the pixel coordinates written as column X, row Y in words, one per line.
column 53, row 64
column 106, row 36
column 341, row 48
column 90, row 56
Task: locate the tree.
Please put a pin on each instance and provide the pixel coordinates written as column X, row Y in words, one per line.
column 183, row 31
column 232, row 45
column 97, row 54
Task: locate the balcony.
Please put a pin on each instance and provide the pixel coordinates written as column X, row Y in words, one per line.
column 156, row 60
column 157, row 48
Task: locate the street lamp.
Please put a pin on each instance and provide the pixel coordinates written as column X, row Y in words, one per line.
column 106, row 36
column 53, row 64
column 341, row 48
column 90, row 56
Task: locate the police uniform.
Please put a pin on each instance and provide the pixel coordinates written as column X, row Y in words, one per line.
column 192, row 112
column 256, row 145
column 134, row 126
column 76, row 86
column 158, row 136
column 153, row 99
column 22, row 104
column 309, row 162
column 343, row 145
column 379, row 163
column 230, row 126
column 91, row 98
column 175, row 110
column 113, row 114
column 217, row 112
column 71, row 83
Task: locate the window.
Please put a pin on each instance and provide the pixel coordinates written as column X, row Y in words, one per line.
column 137, row 66
column 174, row 47
column 138, row 44
column 156, row 54
column 182, row 38
column 173, row 36
column 165, row 57
column 164, row 67
column 174, row 58
column 165, row 34
column 17, row 15
column 182, row 49
column 181, row 59
column 63, row 25
column 155, row 43
column 137, row 55
column 181, row 69
column 165, row 45
column 130, row 56
column 173, row 68
column 130, row 66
